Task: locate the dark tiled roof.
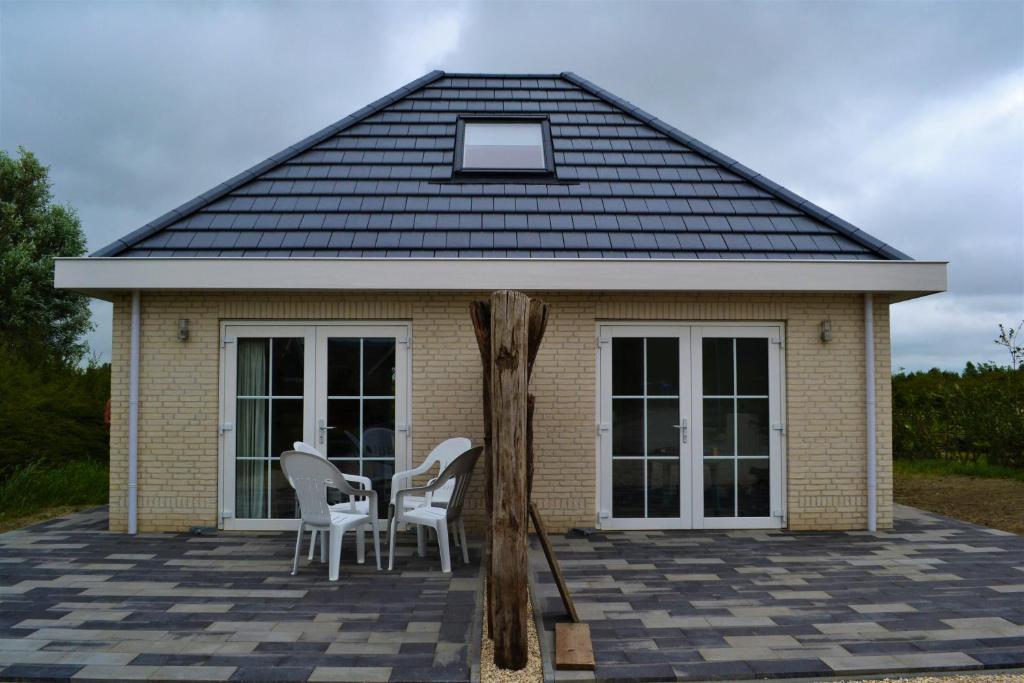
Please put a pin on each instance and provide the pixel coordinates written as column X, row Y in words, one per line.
column 378, row 184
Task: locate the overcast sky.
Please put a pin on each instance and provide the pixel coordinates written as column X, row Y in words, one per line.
column 906, row 119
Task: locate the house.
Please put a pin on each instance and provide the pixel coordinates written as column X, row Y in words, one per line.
column 717, row 354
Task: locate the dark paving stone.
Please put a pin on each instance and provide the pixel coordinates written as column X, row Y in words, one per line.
column 416, row 648
column 39, row 672
column 414, row 675
column 779, row 668
column 170, row 660
column 248, row 661
column 713, row 671
column 291, row 648
column 626, row 673
column 996, row 658
column 888, row 647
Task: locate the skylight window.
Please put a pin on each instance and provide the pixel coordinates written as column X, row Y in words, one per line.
column 503, row 146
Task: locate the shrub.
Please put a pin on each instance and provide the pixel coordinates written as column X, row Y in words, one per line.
column 50, row 412
column 974, row 415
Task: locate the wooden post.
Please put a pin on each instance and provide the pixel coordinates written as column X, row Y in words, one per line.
column 509, row 329
column 509, row 380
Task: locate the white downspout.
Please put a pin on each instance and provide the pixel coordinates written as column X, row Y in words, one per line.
column 869, row 377
column 133, row 416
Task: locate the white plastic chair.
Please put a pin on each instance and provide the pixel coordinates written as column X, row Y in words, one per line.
column 442, row 456
column 355, row 505
column 311, row 476
column 459, row 473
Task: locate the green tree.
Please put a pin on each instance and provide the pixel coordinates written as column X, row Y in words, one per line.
column 34, row 317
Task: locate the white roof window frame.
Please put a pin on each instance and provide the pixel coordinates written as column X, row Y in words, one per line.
column 459, row 169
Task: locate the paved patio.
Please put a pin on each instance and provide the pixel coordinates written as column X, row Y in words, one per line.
column 77, row 602
column 932, row 594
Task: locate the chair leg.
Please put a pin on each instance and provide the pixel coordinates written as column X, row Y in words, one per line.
column 442, row 544
column 323, row 546
column 334, row 566
column 312, row 544
column 391, row 542
column 298, row 549
column 361, row 545
column 462, row 541
column 421, row 541
column 376, row 539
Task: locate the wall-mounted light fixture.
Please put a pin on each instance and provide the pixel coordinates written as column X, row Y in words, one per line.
column 183, row 329
column 826, row 331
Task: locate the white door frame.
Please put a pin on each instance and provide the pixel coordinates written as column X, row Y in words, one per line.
column 776, row 444
column 690, row 334
column 315, row 359
column 606, row 333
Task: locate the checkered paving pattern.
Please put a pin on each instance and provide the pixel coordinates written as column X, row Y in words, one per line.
column 80, row 603
column 931, row 594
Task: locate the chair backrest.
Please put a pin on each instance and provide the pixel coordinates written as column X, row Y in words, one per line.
column 310, row 476
column 448, row 450
column 303, row 447
column 459, row 473
column 442, row 455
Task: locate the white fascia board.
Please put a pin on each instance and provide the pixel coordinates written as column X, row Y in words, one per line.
column 97, row 276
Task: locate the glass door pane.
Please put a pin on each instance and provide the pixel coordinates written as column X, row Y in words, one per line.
column 269, row 415
column 358, row 432
column 645, row 427
column 736, row 429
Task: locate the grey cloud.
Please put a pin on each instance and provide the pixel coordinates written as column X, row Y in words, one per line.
column 904, row 118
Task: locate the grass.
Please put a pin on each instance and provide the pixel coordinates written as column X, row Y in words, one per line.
column 39, row 491
column 976, row 492
column 955, row 468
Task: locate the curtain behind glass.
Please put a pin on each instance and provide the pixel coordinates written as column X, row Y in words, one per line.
column 251, row 441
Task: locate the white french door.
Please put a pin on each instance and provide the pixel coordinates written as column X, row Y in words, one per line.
column 690, row 424
column 342, row 387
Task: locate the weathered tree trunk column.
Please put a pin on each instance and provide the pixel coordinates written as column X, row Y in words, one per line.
column 509, row 381
column 509, row 329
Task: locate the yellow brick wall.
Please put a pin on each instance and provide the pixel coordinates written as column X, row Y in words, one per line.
column 179, row 393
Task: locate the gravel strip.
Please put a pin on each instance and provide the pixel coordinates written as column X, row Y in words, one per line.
column 532, row 673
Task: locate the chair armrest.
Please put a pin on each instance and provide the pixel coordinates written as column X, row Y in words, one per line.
column 401, row 494
column 398, row 477
column 345, row 487
column 371, row 508
column 364, row 482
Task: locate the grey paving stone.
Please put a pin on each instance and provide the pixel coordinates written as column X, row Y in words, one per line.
column 193, row 673
column 116, row 672
column 351, row 674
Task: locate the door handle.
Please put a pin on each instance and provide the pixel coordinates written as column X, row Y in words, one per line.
column 324, row 428
column 684, row 428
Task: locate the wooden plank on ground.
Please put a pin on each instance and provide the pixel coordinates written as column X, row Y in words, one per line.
column 573, row 649
column 556, row 569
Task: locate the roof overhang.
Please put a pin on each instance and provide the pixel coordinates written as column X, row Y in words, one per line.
column 104, row 277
